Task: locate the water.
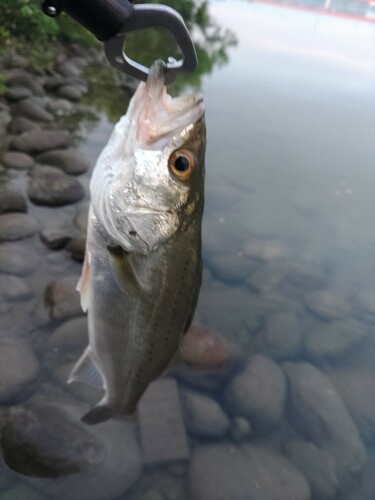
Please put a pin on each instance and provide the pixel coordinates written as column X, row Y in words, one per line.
column 289, row 273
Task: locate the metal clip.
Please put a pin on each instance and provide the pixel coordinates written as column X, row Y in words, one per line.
column 146, row 16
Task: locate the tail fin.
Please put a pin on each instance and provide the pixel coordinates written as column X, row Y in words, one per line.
column 97, row 415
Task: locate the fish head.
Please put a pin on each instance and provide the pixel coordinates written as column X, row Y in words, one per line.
column 148, row 181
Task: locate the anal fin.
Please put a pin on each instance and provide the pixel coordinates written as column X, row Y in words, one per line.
column 85, row 371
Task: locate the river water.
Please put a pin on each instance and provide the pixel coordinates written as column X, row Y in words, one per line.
column 289, row 277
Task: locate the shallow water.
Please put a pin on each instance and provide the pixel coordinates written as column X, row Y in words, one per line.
column 289, row 273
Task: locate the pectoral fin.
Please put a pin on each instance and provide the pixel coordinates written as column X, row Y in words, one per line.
column 124, row 275
column 85, row 371
column 83, row 285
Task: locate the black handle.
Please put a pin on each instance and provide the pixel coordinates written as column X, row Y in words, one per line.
column 104, row 18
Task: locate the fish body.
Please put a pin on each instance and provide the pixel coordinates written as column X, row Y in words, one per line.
column 142, row 268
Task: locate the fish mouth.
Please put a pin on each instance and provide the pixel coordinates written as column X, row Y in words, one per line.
column 156, row 116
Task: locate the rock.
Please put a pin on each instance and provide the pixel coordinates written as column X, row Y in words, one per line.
column 14, row 288
column 14, row 94
column 306, row 275
column 21, row 491
column 44, row 442
column 20, row 124
column 267, row 278
column 62, row 299
column 69, row 92
column 81, row 219
column 5, row 119
column 12, row 159
column 32, row 109
column 326, row 304
column 54, row 82
column 283, row 336
column 364, row 488
column 224, row 471
column 265, row 251
column 69, row 69
column 83, row 392
column 55, row 239
column 316, row 465
column 60, row 107
column 51, row 187
column 7, row 477
column 257, row 393
column 16, row 61
column 70, row 161
column 77, row 248
column 16, row 226
column 357, row 389
column 230, row 268
column 21, row 78
column 12, row 201
column 16, row 259
column 332, row 340
column 69, row 339
column 19, row 369
column 37, row 141
column 364, row 305
column 204, row 416
column 319, row 415
column 240, row 429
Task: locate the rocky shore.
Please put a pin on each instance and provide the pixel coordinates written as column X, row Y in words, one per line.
column 277, row 398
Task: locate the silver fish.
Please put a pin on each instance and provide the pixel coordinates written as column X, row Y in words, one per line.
column 142, row 270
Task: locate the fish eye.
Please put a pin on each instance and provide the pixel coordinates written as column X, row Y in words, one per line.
column 182, row 164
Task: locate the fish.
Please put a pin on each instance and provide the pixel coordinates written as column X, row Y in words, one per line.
column 142, row 269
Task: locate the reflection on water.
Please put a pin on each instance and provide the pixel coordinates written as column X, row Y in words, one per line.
column 282, row 404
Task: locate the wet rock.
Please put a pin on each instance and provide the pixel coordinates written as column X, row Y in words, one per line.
column 257, row 393
column 316, row 465
column 55, row 239
column 283, row 336
column 364, row 305
column 332, row 340
column 16, row 259
column 37, row 141
column 44, row 442
column 81, row 219
column 19, row 369
column 240, row 429
column 204, row 416
column 77, row 248
column 21, row 124
column 70, row 161
column 14, row 94
column 69, row 92
column 21, row 78
column 62, row 299
column 14, row 288
column 319, row 414
column 230, row 268
column 32, row 108
column 69, row 339
column 357, row 389
column 12, row 159
column 224, row 471
column 16, row 226
column 12, row 201
column 326, row 304
column 51, row 187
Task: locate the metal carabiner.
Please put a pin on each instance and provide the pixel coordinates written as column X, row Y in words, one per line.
column 146, row 16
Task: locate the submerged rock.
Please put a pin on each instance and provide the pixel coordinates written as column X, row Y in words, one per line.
column 327, row 305
column 49, row 186
column 70, row 338
column 37, row 141
column 16, row 259
column 14, row 288
column 62, row 299
column 283, row 336
column 16, row 226
column 77, row 248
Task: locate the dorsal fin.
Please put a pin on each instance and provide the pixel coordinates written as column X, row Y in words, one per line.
column 85, row 371
column 124, row 275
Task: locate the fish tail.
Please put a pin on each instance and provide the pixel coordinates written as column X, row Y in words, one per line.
column 97, row 415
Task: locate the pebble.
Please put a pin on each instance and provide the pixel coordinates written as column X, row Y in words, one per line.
column 51, row 187
column 21, row 78
column 71, row 161
column 20, row 124
column 14, row 288
column 12, row 201
column 267, row 278
column 364, row 305
column 14, row 94
column 62, row 299
column 326, row 304
column 55, row 239
column 16, row 226
column 316, row 465
column 32, row 108
column 204, row 417
column 69, row 69
column 332, row 340
column 230, row 268
column 257, row 393
column 17, row 259
column 225, row 471
column 37, row 141
column 69, row 92
column 77, row 248
column 19, row 369
column 318, row 413
column 12, row 159
column 240, row 429
column 283, row 336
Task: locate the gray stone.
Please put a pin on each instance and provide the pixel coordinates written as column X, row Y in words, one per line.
column 70, row 339
column 265, row 251
column 257, row 393
column 12, row 159
column 204, row 417
column 327, row 305
column 17, row 259
column 54, row 82
column 332, row 340
column 16, row 226
column 60, row 107
column 306, row 275
column 37, row 141
column 42, row 441
column 21, row 78
column 33, row 109
column 231, row 268
column 283, row 336
column 319, row 414
column 16, row 61
column 50, row 186
column 14, row 94
column 7, row 477
column 364, row 305
column 12, row 201
column 316, row 465
column 5, row 119
column 267, row 278
column 71, row 161
column 14, row 288
column 62, row 299
column 55, row 239
column 19, row 369
column 69, row 69
column 81, row 219
column 77, row 248
column 69, row 92
column 20, row 124
column 224, row 471
column 363, row 488
column 240, row 429
column 21, row 491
